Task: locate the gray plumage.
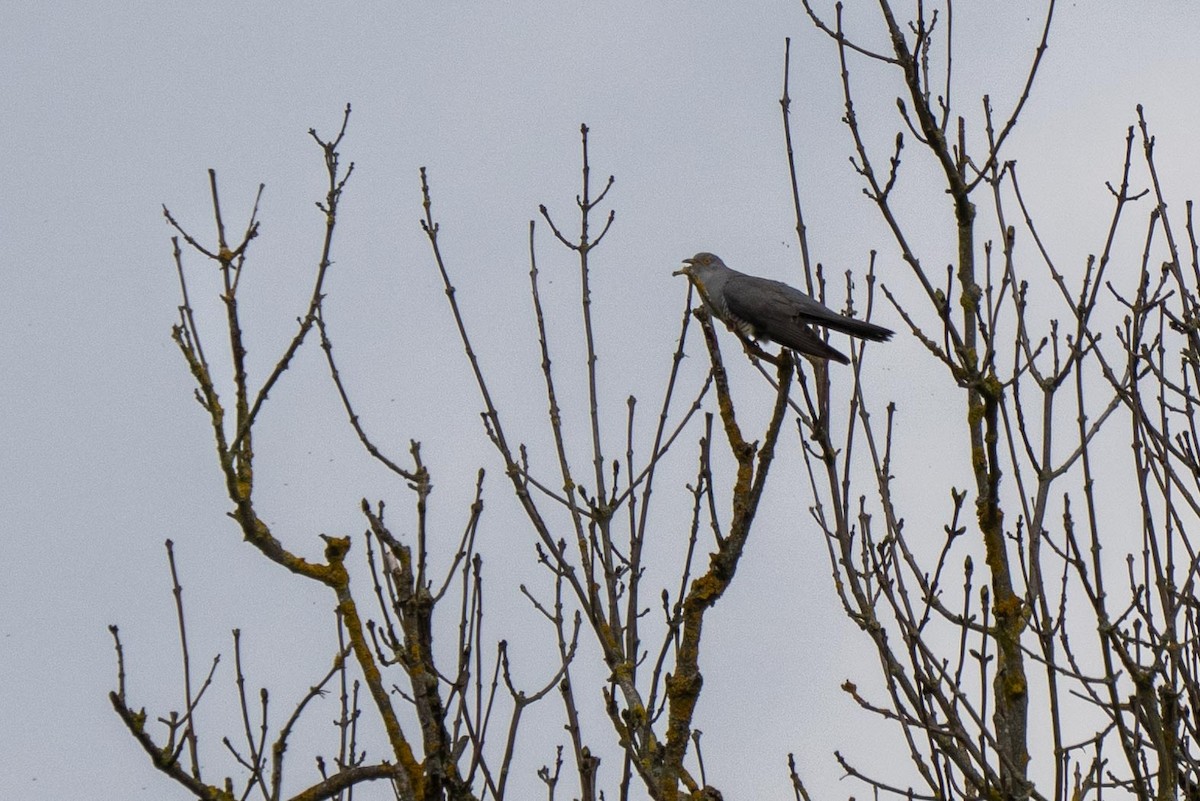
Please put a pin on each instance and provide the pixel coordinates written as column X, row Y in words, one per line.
column 760, row 308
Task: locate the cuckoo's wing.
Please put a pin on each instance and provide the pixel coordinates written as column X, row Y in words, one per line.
column 803, row 339
column 775, row 306
column 759, row 307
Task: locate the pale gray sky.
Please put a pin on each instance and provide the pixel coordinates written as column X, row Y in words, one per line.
column 111, row 110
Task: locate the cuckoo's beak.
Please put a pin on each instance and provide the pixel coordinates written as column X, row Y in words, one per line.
column 685, row 270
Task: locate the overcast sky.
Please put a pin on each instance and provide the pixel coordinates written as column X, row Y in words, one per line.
column 110, row 111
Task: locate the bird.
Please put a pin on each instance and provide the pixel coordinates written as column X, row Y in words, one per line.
column 759, row 308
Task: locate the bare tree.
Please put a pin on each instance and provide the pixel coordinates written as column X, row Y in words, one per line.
column 590, row 539
column 963, row 658
column 971, row 664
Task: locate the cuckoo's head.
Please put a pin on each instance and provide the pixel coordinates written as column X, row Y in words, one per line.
column 701, row 268
column 700, row 265
column 708, row 274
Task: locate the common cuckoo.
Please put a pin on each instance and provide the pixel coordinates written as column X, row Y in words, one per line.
column 760, row 308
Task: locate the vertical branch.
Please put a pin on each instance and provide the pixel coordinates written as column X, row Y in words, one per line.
column 584, row 249
column 785, row 105
column 753, row 465
column 189, row 730
column 601, row 511
column 638, row 531
column 554, row 413
column 984, row 392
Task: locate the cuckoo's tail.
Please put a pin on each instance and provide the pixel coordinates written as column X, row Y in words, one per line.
column 858, row 328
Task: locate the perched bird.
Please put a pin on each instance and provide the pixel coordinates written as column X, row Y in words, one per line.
column 764, row 309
